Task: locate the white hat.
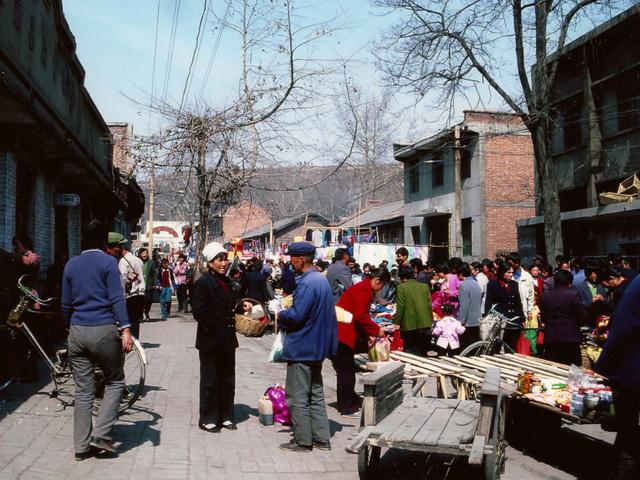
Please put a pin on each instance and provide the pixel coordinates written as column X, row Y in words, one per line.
column 212, row 250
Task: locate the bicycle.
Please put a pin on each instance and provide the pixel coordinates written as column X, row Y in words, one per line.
column 493, row 343
column 14, row 354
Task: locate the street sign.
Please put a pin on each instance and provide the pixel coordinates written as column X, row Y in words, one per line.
column 67, row 200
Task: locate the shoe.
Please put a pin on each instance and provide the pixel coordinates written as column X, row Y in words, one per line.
column 352, row 414
column 294, row 447
column 209, row 427
column 229, row 425
column 322, row 445
column 101, row 444
column 84, row 455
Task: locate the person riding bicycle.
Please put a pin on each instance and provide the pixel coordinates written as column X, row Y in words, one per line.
column 94, row 305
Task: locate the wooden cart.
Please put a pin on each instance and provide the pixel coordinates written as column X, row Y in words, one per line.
column 470, row 428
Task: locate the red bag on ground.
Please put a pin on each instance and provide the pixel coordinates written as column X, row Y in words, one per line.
column 523, row 346
column 397, row 344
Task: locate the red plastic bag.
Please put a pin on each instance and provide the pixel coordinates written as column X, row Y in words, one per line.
column 523, row 346
column 540, row 340
column 397, row 344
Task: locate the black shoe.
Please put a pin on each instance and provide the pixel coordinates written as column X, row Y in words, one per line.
column 214, row 429
column 102, row 445
column 294, row 447
column 84, row 455
column 322, row 445
column 230, row 426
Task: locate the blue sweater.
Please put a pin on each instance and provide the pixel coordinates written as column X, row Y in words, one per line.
column 310, row 324
column 92, row 294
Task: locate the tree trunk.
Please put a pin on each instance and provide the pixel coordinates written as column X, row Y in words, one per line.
column 541, row 136
column 204, row 204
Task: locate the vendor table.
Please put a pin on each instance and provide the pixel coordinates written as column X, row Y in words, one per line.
column 466, row 375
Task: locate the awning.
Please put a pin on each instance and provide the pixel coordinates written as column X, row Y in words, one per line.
column 606, row 212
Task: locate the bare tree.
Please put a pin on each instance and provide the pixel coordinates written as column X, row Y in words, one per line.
column 451, row 46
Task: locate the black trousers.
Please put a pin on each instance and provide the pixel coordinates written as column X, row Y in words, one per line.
column 417, row 342
column 563, row 352
column 344, row 365
column 148, row 301
column 627, row 444
column 181, row 293
column 135, row 311
column 470, row 335
column 217, row 386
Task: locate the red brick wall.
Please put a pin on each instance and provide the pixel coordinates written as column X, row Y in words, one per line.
column 509, row 188
column 120, row 134
column 243, row 217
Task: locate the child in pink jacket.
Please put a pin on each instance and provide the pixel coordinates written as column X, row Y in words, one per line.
column 448, row 330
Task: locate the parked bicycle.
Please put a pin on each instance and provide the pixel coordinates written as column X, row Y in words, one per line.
column 493, row 343
column 15, row 353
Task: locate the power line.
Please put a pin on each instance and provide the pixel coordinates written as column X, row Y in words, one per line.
column 215, row 48
column 194, row 56
column 172, row 40
column 155, row 52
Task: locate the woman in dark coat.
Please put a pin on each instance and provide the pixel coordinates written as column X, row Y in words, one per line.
column 504, row 294
column 213, row 308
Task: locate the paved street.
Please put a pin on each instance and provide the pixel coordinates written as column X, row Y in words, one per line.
column 160, row 439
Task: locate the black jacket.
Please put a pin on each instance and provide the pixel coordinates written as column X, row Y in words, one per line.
column 562, row 314
column 507, row 301
column 254, row 285
column 213, row 305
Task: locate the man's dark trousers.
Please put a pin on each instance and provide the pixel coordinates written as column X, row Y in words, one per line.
column 135, row 311
column 305, row 397
column 344, row 365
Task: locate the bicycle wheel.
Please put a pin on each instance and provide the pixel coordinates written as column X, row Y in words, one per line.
column 477, row 348
column 134, row 377
column 14, row 351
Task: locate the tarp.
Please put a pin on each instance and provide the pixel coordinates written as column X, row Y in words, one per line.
column 375, row 253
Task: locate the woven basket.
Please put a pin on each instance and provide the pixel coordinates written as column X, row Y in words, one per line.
column 249, row 327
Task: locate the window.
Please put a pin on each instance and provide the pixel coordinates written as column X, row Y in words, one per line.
column 414, row 177
column 572, row 125
column 465, row 163
column 628, row 105
column 415, row 235
column 466, row 236
column 437, row 173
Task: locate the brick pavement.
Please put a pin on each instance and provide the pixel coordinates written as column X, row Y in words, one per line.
column 159, row 435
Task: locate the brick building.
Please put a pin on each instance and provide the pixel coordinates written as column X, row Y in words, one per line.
column 242, row 218
column 285, row 230
column 496, row 180
column 596, row 109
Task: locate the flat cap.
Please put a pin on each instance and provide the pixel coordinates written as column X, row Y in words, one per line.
column 306, row 249
column 115, row 238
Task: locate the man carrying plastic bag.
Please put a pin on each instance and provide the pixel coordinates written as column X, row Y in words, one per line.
column 311, row 336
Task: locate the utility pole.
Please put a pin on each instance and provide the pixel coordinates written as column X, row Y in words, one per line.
column 152, row 185
column 456, row 174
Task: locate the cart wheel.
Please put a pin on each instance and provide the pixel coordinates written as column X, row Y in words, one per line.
column 368, row 460
column 493, row 465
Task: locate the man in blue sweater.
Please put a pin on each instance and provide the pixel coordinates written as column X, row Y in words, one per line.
column 94, row 306
column 311, row 329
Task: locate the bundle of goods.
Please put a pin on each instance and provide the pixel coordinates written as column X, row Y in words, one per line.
column 581, row 393
column 279, row 412
column 251, row 319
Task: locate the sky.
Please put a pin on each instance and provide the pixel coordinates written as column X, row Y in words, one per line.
column 116, row 43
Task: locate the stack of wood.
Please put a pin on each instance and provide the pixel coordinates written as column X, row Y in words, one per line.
column 627, row 191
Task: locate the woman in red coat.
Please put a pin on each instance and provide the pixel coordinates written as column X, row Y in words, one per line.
column 357, row 301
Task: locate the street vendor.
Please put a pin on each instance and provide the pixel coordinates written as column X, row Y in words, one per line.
column 357, row 301
column 414, row 314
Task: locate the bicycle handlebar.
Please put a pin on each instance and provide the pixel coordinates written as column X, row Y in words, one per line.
column 503, row 318
column 28, row 292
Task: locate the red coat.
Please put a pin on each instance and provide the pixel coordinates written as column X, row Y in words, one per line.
column 357, row 300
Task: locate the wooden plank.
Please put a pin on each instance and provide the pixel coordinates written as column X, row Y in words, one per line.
column 477, row 450
column 507, row 364
column 491, row 384
column 534, row 363
column 358, row 441
column 432, row 429
column 417, row 387
column 485, row 416
column 384, row 377
column 391, row 422
column 405, row 431
column 461, row 427
column 385, row 406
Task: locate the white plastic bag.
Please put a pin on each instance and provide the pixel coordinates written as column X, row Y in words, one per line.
column 343, row 316
column 275, row 355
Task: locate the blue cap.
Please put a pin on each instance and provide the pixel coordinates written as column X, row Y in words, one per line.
column 306, row 249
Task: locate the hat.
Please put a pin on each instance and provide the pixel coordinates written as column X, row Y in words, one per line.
column 306, row 249
column 212, row 250
column 115, row 238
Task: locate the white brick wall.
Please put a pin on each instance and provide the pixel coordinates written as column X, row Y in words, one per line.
column 7, row 199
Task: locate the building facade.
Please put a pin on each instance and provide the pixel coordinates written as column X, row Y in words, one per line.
column 55, row 148
column 596, row 142
column 496, row 186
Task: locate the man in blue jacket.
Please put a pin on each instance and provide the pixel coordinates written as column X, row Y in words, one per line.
column 311, row 336
column 94, row 306
column 620, row 363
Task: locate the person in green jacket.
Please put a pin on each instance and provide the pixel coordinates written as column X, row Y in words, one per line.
column 414, row 314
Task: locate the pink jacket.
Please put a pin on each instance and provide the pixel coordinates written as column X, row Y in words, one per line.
column 447, row 331
column 180, row 272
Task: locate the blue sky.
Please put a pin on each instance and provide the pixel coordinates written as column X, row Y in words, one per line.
column 116, row 39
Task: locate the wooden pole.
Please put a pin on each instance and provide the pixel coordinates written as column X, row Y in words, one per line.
column 458, row 194
column 152, row 185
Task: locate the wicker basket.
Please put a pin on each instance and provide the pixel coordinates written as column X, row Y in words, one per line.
column 248, row 326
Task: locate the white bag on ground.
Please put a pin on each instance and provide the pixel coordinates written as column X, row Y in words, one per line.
column 275, row 355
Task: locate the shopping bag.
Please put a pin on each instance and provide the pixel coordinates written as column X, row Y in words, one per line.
column 486, row 324
column 380, row 350
column 540, row 340
column 523, row 345
column 275, row 355
column 397, row 344
column 343, row 316
column 277, row 395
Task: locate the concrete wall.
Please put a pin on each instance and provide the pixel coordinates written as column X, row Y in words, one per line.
column 8, row 170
